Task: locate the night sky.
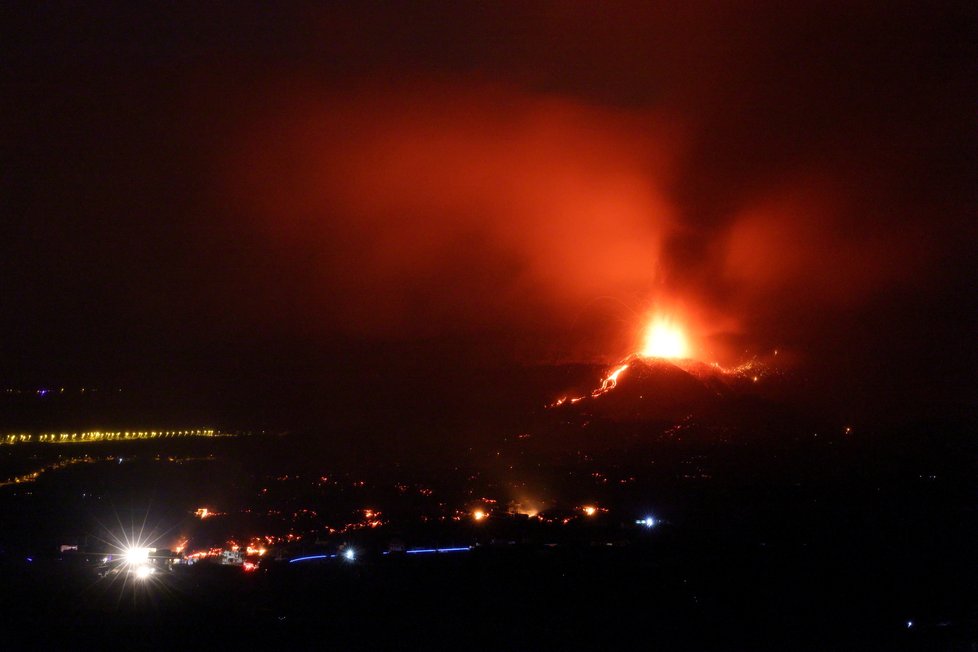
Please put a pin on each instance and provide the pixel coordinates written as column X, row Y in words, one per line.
column 358, row 189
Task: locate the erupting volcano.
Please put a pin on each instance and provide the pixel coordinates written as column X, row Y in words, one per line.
column 665, row 366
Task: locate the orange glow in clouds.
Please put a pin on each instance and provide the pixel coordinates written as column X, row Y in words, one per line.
column 488, row 200
column 665, row 339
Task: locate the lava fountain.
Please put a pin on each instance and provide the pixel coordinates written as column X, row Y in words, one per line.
column 664, row 339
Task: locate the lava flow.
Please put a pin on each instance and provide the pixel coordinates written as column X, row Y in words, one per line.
column 610, row 381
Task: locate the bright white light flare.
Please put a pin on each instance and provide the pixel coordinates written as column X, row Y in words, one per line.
column 136, row 556
column 144, row 572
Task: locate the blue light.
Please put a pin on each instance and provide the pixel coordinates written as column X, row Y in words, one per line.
column 648, row 521
column 909, row 624
column 292, row 561
column 421, row 551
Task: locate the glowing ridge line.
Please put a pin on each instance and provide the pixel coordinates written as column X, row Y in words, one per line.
column 753, row 370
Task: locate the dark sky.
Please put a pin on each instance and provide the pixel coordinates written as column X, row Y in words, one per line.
column 224, row 189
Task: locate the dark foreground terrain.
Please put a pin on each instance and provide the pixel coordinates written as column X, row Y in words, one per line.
column 668, row 589
column 584, row 598
column 775, row 530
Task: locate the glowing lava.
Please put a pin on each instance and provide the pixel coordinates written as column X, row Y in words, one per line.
column 608, row 383
column 664, row 339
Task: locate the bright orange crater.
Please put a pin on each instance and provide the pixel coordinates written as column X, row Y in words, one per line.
column 664, row 339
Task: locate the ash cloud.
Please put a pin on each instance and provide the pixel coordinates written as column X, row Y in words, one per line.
column 462, row 207
column 760, row 170
column 530, row 178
